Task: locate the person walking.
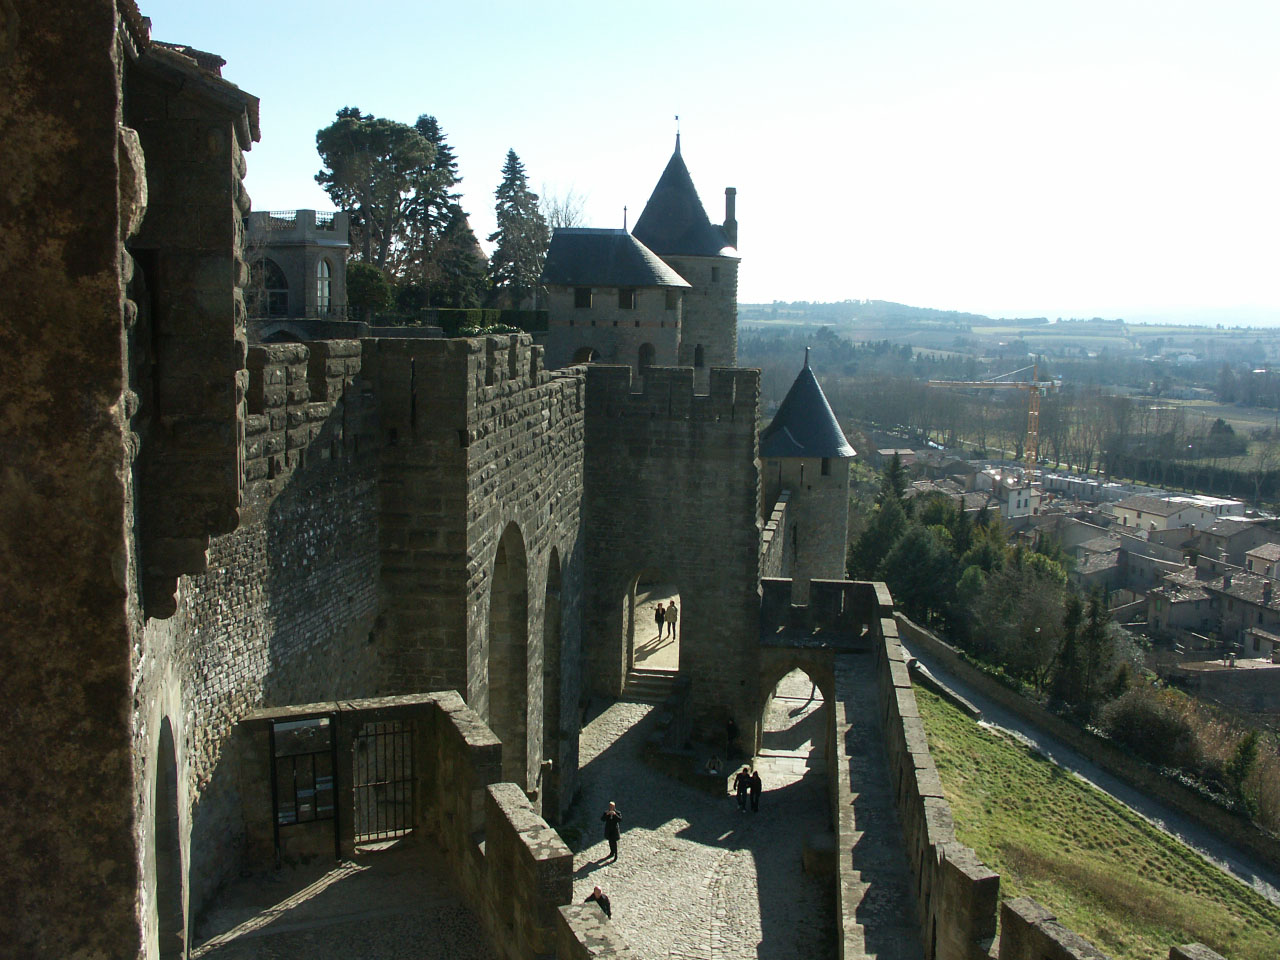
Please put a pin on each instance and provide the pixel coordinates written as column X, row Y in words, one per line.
column 741, row 784
column 600, row 897
column 672, row 615
column 756, row 785
column 660, row 617
column 611, row 818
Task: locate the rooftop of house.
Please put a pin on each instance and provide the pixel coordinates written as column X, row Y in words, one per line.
column 805, row 425
column 595, row 257
column 1266, row 551
column 1230, row 526
column 1245, row 587
column 674, row 222
column 1153, row 505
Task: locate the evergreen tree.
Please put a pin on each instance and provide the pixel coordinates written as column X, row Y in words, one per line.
column 461, row 276
column 522, row 237
column 920, row 571
column 374, row 169
column 1098, row 647
column 895, row 481
column 886, row 526
column 431, row 212
column 1067, row 685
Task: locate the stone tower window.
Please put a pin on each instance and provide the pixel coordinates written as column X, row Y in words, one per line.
column 582, row 298
column 626, row 298
column 826, row 466
column 715, row 274
column 647, row 353
column 323, row 286
column 673, row 299
column 699, row 356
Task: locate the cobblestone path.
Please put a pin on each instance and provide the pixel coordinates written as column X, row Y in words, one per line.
column 696, row 879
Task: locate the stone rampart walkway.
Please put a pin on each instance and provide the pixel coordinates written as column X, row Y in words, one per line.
column 695, row 879
column 877, row 895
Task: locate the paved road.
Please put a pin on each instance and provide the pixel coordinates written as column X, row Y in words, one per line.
column 1208, row 844
column 696, row 879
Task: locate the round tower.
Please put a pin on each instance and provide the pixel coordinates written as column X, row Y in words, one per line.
column 805, row 454
column 675, row 226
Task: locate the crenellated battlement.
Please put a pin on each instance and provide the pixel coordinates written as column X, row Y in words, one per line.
column 301, row 401
column 668, row 393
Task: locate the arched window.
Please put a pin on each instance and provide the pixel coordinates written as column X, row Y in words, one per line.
column 647, row 354
column 268, row 292
column 323, row 286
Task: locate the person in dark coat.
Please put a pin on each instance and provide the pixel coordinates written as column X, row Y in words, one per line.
column 600, row 897
column 741, row 784
column 611, row 819
column 756, row 786
column 660, row 617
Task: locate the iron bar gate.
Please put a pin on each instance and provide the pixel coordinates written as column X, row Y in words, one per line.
column 383, row 785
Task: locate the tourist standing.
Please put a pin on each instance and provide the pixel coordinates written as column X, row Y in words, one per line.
column 611, row 818
column 741, row 784
column 671, row 615
column 660, row 617
column 756, row 786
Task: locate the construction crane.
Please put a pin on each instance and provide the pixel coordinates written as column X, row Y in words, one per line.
column 1034, row 387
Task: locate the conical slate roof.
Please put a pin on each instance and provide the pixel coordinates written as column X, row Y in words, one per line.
column 674, row 223
column 804, row 425
column 593, row 257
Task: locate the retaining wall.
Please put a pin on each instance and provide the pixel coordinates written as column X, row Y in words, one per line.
column 1111, row 758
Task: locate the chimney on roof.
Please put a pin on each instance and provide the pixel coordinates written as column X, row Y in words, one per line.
column 731, row 215
column 1226, row 581
column 1266, row 591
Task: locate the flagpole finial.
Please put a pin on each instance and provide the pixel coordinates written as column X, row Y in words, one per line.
column 806, row 358
column 677, row 133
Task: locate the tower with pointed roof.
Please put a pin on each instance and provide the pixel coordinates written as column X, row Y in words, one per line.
column 675, row 226
column 805, row 455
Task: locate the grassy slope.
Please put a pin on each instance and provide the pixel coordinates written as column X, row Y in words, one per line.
column 1108, row 874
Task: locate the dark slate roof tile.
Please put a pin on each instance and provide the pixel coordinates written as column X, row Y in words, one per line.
column 588, row 257
column 805, row 425
column 674, row 222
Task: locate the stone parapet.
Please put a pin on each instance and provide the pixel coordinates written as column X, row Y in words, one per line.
column 773, row 540
column 956, row 894
column 1029, row 931
column 583, row 932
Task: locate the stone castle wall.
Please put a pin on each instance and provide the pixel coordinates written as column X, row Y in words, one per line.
column 481, row 448
column 672, row 487
column 815, row 529
column 282, row 614
column 710, row 316
column 616, row 335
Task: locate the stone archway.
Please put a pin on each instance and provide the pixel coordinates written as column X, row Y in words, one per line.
column 551, row 688
column 509, row 654
column 647, row 355
column 171, row 926
column 584, row 355
column 647, row 647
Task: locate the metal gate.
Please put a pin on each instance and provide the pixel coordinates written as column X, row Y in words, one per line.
column 383, row 784
column 303, row 764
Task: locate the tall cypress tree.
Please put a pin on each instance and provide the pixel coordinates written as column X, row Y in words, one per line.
column 522, row 236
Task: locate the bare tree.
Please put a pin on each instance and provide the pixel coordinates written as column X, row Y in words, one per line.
column 562, row 209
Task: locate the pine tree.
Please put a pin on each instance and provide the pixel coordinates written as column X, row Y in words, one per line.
column 431, row 212
column 522, row 237
column 374, row 168
column 461, row 277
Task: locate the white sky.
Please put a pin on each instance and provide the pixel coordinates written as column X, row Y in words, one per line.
column 1012, row 157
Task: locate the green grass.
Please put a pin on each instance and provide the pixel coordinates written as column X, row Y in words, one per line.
column 1109, row 875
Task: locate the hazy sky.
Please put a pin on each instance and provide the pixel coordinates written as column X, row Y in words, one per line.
column 1013, row 157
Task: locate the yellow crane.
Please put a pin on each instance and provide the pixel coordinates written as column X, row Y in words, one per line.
column 1034, row 387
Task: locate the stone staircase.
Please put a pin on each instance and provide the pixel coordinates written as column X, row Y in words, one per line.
column 649, row 686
